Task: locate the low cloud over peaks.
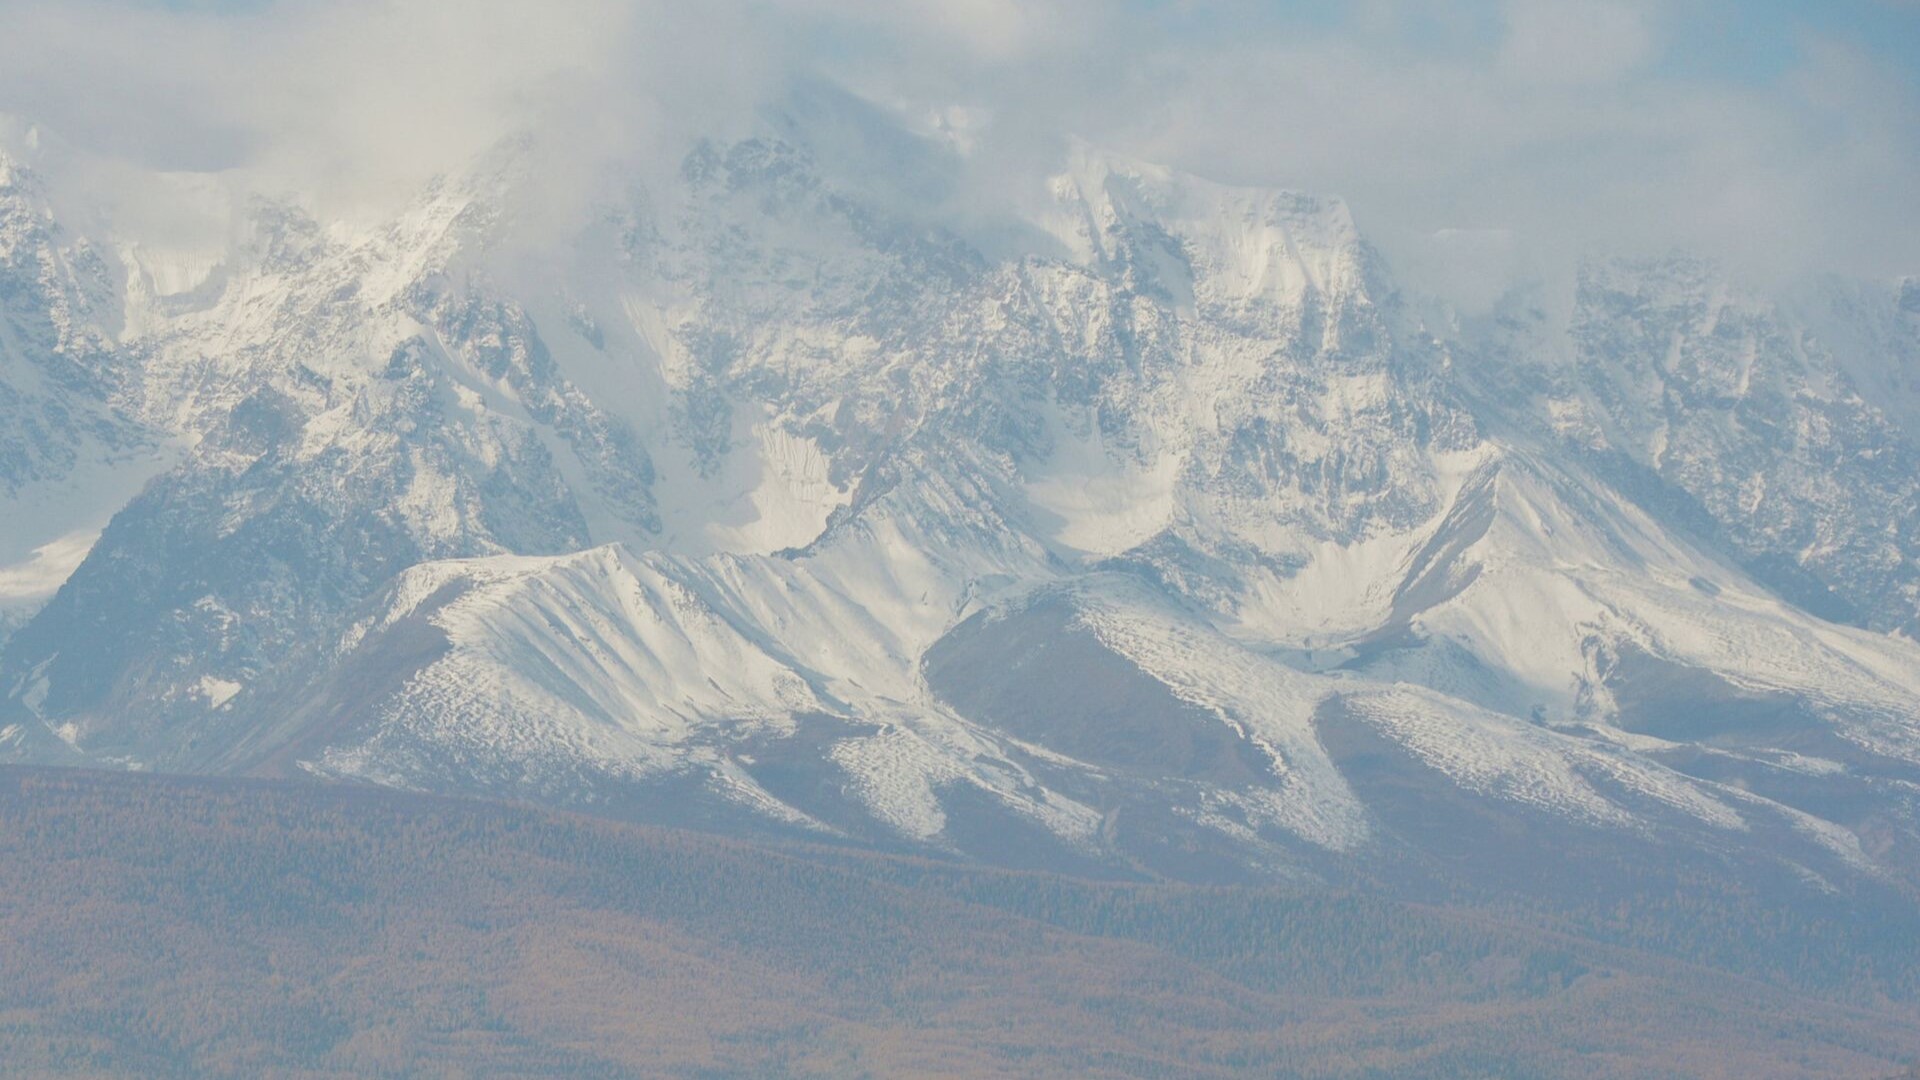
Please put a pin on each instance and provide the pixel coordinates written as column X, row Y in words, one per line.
column 1557, row 125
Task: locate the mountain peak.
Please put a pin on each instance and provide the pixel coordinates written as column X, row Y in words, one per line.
column 767, row 492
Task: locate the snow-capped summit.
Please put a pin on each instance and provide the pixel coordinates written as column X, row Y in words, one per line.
column 1159, row 532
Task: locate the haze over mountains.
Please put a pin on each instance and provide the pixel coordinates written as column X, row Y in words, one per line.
column 930, row 539
column 1125, row 524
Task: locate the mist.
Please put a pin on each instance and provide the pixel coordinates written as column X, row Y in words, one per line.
column 1479, row 144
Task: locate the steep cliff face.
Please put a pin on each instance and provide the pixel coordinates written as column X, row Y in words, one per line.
column 1142, row 523
column 73, row 446
column 1781, row 431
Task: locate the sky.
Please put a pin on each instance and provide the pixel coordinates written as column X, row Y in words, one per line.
column 1478, row 141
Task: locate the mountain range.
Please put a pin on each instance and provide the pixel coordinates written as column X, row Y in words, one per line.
column 1134, row 525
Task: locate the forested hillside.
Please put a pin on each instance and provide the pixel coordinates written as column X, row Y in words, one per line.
column 172, row 927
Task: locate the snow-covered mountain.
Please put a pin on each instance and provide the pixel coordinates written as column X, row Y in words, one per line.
column 1141, row 522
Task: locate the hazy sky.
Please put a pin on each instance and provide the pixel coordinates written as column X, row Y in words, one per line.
column 1782, row 136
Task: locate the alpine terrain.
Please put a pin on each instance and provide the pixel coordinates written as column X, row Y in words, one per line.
column 1132, row 526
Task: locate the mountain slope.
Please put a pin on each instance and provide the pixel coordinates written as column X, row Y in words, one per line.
column 1142, row 526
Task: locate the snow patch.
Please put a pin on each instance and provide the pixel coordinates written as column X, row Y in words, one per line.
column 217, row 691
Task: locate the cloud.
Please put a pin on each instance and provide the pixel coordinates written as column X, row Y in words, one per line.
column 1577, row 41
column 1566, row 125
column 357, row 101
column 1554, row 125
